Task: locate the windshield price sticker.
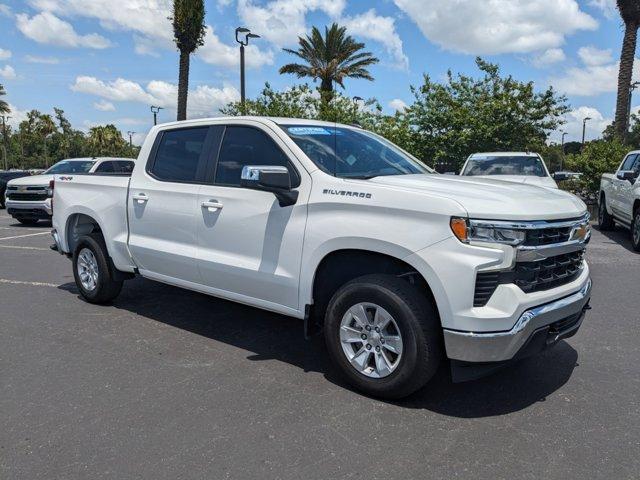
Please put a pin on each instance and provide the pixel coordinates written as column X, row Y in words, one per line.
column 309, row 131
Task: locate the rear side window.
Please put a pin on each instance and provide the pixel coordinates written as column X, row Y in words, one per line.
column 178, row 154
column 123, row 166
column 243, row 146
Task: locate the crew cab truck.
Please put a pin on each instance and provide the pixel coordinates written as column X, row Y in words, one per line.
column 619, row 200
column 398, row 266
column 28, row 199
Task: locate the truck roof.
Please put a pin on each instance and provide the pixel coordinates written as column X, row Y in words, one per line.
column 278, row 120
column 505, row 154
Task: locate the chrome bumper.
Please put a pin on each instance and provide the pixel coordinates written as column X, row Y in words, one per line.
column 44, row 205
column 502, row 346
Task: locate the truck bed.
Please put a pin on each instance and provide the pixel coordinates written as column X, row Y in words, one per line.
column 101, row 197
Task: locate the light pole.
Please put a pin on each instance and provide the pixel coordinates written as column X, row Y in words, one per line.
column 356, row 99
column 632, row 87
column 130, row 133
column 584, row 126
column 155, row 110
column 246, row 33
column 564, row 134
column 5, row 140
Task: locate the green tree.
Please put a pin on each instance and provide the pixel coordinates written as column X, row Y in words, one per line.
column 467, row 115
column 106, row 141
column 4, row 106
column 630, row 13
column 331, row 58
column 189, row 31
column 598, row 157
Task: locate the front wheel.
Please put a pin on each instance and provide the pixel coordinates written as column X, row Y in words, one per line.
column 383, row 335
column 605, row 221
column 91, row 270
column 635, row 231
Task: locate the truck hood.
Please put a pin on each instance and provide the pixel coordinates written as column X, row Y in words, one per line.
column 528, row 179
column 32, row 181
column 492, row 199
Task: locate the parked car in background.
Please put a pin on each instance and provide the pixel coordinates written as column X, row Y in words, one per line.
column 619, row 200
column 28, row 199
column 519, row 167
column 5, row 176
column 562, row 176
column 335, row 225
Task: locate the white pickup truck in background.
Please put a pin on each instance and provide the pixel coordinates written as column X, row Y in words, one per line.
column 397, row 265
column 619, row 200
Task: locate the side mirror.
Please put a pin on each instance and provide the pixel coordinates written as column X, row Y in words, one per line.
column 628, row 175
column 267, row 178
column 560, row 176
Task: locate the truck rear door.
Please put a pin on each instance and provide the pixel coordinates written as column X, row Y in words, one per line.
column 163, row 204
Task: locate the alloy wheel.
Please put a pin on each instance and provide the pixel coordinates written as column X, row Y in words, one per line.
column 88, row 269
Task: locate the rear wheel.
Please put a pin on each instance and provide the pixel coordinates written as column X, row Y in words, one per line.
column 635, row 230
column 605, row 221
column 91, row 270
column 383, row 336
column 27, row 221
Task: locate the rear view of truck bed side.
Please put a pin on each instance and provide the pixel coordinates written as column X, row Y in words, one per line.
column 103, row 198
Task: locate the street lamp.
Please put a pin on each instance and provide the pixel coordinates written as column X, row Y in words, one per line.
column 242, row 32
column 562, row 146
column 584, row 126
column 130, row 133
column 5, row 140
column 155, row 110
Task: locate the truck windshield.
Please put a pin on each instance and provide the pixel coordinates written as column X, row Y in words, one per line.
column 349, row 153
column 67, row 166
column 505, row 165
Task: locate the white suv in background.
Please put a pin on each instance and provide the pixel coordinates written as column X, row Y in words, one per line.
column 28, row 199
column 519, row 167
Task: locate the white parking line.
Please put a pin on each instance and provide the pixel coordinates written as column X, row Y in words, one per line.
column 34, row 284
column 25, row 248
column 23, row 236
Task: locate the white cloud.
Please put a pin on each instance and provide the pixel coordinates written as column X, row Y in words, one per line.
column 8, row 72
column 380, row 29
column 16, row 116
column 281, row 22
column 5, row 54
column 594, row 127
column 592, row 78
column 497, row 26
column 203, row 100
column 591, row 55
column 397, row 104
column 48, row 29
column 42, row 60
column 548, row 57
column 5, row 10
column 608, row 7
column 104, row 106
column 217, row 53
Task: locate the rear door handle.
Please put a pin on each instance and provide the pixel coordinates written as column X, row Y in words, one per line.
column 140, row 197
column 212, row 205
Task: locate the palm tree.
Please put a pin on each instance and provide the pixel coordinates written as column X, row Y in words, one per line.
column 630, row 13
column 330, row 59
column 188, row 30
column 4, row 106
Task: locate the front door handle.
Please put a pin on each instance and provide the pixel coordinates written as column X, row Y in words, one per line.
column 140, row 198
column 212, row 205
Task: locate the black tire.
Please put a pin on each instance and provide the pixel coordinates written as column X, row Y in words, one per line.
column 605, row 221
column 27, row 221
column 106, row 288
column 418, row 324
column 635, row 230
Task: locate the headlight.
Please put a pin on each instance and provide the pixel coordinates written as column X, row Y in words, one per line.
column 468, row 231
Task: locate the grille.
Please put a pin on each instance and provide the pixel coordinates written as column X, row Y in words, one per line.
column 26, row 197
column 530, row 276
column 548, row 273
column 547, row 236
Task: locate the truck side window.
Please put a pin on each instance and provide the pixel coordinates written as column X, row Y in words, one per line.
column 105, row 167
column 123, row 166
column 628, row 162
column 178, row 154
column 243, row 146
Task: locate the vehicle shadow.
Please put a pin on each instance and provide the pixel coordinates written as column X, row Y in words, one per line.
column 270, row 336
column 40, row 224
column 619, row 235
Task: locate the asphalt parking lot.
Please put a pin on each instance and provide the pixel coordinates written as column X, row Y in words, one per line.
column 170, row 384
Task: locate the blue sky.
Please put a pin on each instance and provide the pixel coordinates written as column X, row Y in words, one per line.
column 106, row 61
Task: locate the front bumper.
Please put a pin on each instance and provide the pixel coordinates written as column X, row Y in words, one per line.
column 557, row 319
column 37, row 209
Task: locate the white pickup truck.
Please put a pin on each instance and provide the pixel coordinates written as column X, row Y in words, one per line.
column 619, row 200
column 398, row 266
